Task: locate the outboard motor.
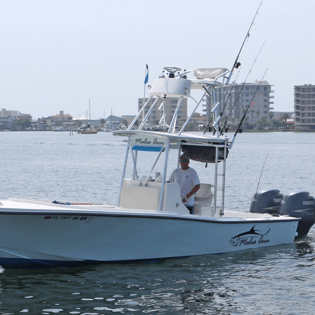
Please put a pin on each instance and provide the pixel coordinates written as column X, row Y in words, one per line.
column 268, row 201
column 300, row 205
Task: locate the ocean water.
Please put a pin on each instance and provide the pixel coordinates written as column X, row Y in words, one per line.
column 58, row 166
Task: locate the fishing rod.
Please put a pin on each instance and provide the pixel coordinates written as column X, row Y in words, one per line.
column 263, row 169
column 221, row 115
column 236, row 65
column 241, row 89
column 227, row 99
column 238, row 129
column 236, row 62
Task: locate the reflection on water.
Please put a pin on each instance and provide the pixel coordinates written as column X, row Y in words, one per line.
column 268, row 281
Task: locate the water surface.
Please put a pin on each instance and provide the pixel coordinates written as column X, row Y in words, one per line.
column 55, row 165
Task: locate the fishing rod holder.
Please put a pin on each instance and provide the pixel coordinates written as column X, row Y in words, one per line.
column 215, row 108
column 216, row 122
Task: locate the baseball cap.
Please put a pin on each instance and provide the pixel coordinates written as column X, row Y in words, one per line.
column 184, row 158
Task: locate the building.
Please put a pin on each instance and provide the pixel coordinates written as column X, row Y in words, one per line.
column 56, row 120
column 4, row 112
column 128, row 118
column 237, row 97
column 278, row 115
column 113, row 122
column 11, row 118
column 170, row 106
column 61, row 118
column 304, row 107
column 198, row 121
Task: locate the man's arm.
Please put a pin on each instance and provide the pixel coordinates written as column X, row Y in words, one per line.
column 192, row 192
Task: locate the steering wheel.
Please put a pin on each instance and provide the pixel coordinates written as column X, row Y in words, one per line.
column 172, row 69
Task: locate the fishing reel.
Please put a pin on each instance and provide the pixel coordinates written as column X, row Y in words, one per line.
column 237, row 65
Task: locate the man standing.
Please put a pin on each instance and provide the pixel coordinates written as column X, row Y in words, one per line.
column 188, row 181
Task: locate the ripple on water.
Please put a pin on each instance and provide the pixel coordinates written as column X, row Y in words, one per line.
column 267, row 281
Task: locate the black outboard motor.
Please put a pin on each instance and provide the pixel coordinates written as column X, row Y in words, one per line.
column 300, row 205
column 268, row 201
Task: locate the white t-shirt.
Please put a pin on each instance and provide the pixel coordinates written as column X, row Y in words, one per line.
column 187, row 180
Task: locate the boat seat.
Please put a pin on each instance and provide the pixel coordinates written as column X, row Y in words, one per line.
column 203, row 201
column 134, row 196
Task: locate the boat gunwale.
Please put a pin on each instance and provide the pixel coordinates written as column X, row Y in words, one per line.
column 100, row 213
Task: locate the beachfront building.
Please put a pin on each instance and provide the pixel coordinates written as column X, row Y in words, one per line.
column 169, row 110
column 304, row 107
column 9, row 119
column 237, row 97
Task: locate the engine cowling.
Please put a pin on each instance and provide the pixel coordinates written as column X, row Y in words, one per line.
column 267, row 201
column 300, row 205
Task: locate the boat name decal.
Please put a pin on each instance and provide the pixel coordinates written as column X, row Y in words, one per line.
column 66, row 217
column 146, row 141
column 251, row 237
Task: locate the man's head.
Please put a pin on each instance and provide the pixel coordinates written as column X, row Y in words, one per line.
column 184, row 161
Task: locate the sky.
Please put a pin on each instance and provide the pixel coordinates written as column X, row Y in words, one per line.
column 59, row 54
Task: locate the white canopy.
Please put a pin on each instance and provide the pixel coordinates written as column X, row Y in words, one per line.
column 208, row 73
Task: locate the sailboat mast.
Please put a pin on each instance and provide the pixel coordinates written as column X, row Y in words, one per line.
column 89, row 109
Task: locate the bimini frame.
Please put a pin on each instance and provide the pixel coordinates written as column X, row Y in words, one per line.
column 171, row 84
column 166, row 142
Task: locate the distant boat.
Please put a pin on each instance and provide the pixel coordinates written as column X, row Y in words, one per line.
column 87, row 131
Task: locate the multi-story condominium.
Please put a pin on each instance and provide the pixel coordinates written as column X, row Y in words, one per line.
column 304, row 107
column 237, row 97
column 4, row 112
column 170, row 105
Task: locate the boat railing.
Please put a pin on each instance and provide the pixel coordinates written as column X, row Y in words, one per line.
column 171, row 85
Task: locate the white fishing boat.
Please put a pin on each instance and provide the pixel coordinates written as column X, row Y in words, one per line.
column 150, row 221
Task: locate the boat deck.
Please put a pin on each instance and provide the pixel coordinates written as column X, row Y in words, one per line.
column 44, row 207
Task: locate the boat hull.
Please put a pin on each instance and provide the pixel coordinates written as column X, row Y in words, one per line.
column 39, row 240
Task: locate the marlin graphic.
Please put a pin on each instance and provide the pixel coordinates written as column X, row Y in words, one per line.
column 250, row 232
column 239, row 239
